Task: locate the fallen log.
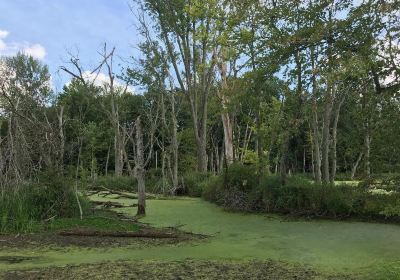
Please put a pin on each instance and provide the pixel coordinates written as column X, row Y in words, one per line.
column 86, row 233
column 109, row 204
column 125, row 195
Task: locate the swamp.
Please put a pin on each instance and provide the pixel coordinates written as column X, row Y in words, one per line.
column 200, row 139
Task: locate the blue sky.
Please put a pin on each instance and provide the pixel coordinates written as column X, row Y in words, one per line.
column 48, row 29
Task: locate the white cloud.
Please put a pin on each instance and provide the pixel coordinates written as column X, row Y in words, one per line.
column 3, row 34
column 9, row 49
column 36, row 50
column 101, row 79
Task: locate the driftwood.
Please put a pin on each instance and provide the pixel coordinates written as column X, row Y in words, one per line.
column 86, row 233
column 124, row 217
column 108, row 204
column 125, row 195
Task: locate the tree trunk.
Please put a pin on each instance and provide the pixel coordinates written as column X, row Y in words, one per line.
column 202, row 155
column 316, row 140
column 140, row 172
column 174, row 145
column 118, row 143
column 62, row 137
column 367, row 147
column 325, row 136
column 334, row 140
column 283, row 160
column 76, row 177
column 260, row 147
column 317, row 152
column 355, row 166
column 107, row 160
column 226, row 118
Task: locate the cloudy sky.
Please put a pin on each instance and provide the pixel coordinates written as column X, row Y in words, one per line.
column 49, row 29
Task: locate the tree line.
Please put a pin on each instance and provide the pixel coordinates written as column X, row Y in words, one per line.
column 285, row 86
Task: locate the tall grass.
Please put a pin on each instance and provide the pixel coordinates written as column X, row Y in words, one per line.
column 25, row 206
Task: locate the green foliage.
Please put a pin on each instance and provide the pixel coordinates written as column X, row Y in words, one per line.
column 195, row 182
column 299, row 196
column 51, row 196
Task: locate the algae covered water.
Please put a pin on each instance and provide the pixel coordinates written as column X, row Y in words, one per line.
column 346, row 247
column 327, row 245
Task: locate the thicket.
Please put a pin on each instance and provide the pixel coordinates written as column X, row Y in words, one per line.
column 191, row 183
column 240, row 189
column 24, row 207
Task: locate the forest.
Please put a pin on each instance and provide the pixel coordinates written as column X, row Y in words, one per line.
column 248, row 140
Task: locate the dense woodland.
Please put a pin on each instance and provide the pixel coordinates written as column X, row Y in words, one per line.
column 278, row 87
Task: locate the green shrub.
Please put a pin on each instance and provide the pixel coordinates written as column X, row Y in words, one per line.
column 211, row 188
column 299, row 196
column 240, row 177
column 194, row 182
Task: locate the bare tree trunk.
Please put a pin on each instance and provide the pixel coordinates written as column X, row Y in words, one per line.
column 334, row 140
column 217, row 159
column 76, row 178
column 355, row 166
column 325, row 136
column 174, row 144
column 226, row 118
column 118, row 149
column 312, row 160
column 140, row 172
column 316, row 140
column 163, row 167
column 62, row 137
column 283, row 160
column 317, row 153
column 221, row 160
column 367, row 150
column 202, row 155
column 260, row 145
column 107, row 160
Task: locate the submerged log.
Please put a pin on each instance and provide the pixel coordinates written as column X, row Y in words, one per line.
column 126, row 195
column 87, row 233
column 109, row 204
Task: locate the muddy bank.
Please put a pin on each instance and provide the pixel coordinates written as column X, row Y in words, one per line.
column 47, row 240
column 188, row 269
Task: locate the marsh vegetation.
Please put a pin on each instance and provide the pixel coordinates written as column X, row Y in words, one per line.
column 245, row 139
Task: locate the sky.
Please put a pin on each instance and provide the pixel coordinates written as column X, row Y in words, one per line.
column 49, row 29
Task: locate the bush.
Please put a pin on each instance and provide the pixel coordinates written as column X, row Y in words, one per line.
column 50, row 196
column 233, row 189
column 299, row 195
column 194, row 183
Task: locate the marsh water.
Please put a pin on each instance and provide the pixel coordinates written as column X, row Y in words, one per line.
column 332, row 246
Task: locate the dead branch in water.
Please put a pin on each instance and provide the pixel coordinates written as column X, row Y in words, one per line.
column 125, row 195
column 86, row 233
column 109, row 204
